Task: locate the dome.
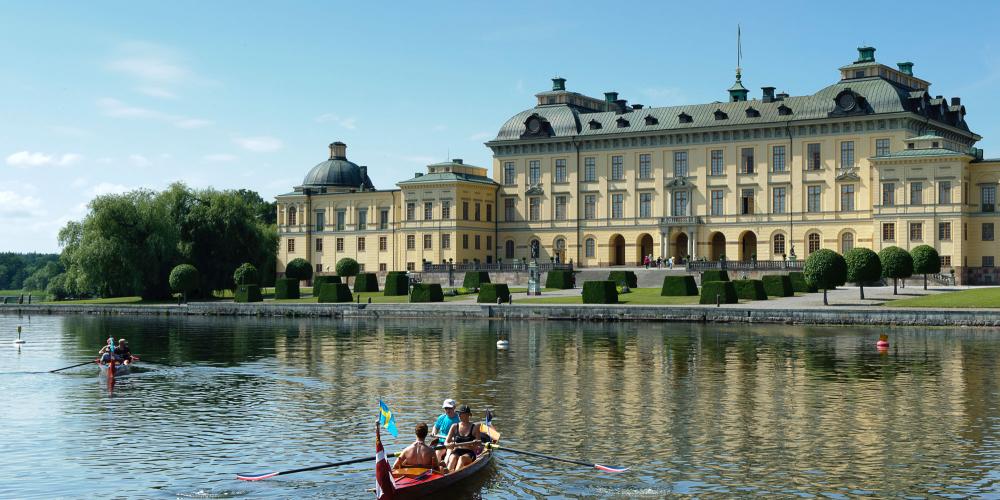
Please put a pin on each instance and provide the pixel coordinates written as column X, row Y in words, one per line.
column 338, row 171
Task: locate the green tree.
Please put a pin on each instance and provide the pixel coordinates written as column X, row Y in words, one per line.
column 348, row 267
column 299, row 269
column 246, row 274
column 827, row 269
column 184, row 279
column 926, row 261
column 863, row 266
column 896, row 263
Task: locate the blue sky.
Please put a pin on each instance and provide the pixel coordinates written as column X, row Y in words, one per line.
column 103, row 97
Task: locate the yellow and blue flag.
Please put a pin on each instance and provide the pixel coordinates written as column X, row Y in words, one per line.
column 387, row 419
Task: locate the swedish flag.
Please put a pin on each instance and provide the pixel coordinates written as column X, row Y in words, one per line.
column 387, row 419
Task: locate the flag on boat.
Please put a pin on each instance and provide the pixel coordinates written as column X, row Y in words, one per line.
column 387, row 419
column 384, row 485
column 487, row 427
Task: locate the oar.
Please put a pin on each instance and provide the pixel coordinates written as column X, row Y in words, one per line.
column 268, row 475
column 74, row 366
column 604, row 468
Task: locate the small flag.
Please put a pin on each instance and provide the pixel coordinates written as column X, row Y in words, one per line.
column 387, row 419
column 384, row 485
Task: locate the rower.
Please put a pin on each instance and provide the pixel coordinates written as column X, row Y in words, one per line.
column 463, row 441
column 107, row 353
column 443, row 424
column 419, row 454
column 123, row 352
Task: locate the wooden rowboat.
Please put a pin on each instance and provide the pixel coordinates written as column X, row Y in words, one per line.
column 417, row 483
column 119, row 370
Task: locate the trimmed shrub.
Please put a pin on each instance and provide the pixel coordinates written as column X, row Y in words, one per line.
column 248, row 293
column 335, row 292
column 426, row 292
column 347, row 267
column 183, row 279
column 396, row 283
column 801, row 284
column 750, row 289
column 678, row 285
column 827, row 269
column 623, row 278
column 925, row 261
column 561, row 279
column 320, row 281
column 601, row 292
column 896, row 263
column 475, row 278
column 299, row 269
column 490, row 292
column 778, row 285
column 725, row 289
column 863, row 267
column 246, row 274
column 366, row 282
column 286, row 288
column 714, row 275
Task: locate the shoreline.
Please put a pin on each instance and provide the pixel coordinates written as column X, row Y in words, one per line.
column 871, row 316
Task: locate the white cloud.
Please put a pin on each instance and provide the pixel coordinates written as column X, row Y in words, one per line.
column 28, row 159
column 259, row 144
column 158, row 70
column 150, row 67
column 158, row 92
column 13, row 204
column 118, row 109
column 349, row 123
column 220, row 157
column 139, row 160
column 481, row 136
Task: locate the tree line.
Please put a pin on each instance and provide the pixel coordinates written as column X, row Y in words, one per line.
column 28, row 271
column 828, row 269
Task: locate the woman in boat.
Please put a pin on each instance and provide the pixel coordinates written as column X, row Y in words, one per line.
column 106, row 354
column 123, row 352
column 443, row 424
column 463, row 441
column 419, row 454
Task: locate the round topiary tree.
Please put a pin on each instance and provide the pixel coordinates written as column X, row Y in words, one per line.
column 926, row 261
column 184, row 279
column 896, row 263
column 863, row 267
column 826, row 269
column 348, row 267
column 299, row 269
column 246, row 274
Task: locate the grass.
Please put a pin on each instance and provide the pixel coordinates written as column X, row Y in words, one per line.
column 638, row 296
column 114, row 300
column 979, row 297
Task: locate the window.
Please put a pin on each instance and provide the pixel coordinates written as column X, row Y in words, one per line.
column 489, row 243
column 446, row 209
column 478, row 211
column 812, row 242
column 778, row 244
column 888, row 231
column 590, row 169
column 489, row 212
column 813, row 199
column 339, row 242
column 319, row 268
column 590, row 206
column 560, row 171
column 534, row 209
column 945, row 260
column 588, row 247
column 411, row 242
column 944, row 192
column 881, row 147
column 746, row 161
column 560, row 208
column 410, row 211
column 382, row 267
column 965, row 193
column 778, row 159
column 383, row 244
column 428, row 244
column 465, row 242
column 987, row 231
column 362, row 219
column 916, row 231
column 717, row 203
column 645, row 168
column 944, row 231
column 509, row 210
column 477, row 240
column 916, row 193
column 680, row 203
column 645, row 204
column 846, row 242
column 411, row 266
column 383, row 219
column 746, row 202
column 465, row 210
column 361, row 244
column 813, row 161
column 847, row 198
column 446, row 242
column 617, row 168
column 319, row 244
column 680, row 163
column 341, row 219
column 508, row 249
column 987, row 261
column 847, row 154
column 888, row 194
column 534, row 172
column 617, row 205
column 509, row 175
column 428, row 210
column 291, row 216
column 320, row 220
column 778, row 200
column 291, row 245
column 988, row 195
column 718, row 168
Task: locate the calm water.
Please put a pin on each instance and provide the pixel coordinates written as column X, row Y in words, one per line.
column 693, row 409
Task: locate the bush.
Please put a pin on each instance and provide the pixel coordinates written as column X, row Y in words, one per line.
column 348, row 267
column 896, row 263
column 490, row 292
column 601, row 292
column 714, row 275
column 724, row 289
column 246, row 274
column 475, row 278
column 184, row 279
column 863, row 267
column 366, row 282
column 624, row 278
column 925, row 261
column 801, row 284
column 335, row 292
column 299, row 269
column 320, row 281
column 286, row 288
column 778, row 285
column 561, row 279
column 426, row 292
column 679, row 285
column 750, row 289
column 248, row 293
column 396, row 283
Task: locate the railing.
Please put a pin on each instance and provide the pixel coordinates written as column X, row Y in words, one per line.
column 680, row 220
column 514, row 266
column 746, row 265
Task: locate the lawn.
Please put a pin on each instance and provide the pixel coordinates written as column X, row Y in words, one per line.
column 978, row 297
column 638, row 296
column 114, row 300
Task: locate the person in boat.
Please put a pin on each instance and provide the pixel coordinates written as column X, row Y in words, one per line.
column 123, row 353
column 443, row 424
column 463, row 441
column 419, row 454
column 106, row 354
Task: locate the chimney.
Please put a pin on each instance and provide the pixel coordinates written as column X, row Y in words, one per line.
column 456, row 160
column 956, row 101
column 338, row 151
column 637, row 106
column 418, row 174
column 905, row 68
column 558, row 83
column 621, row 105
column 866, row 54
column 610, row 97
column 781, row 96
column 768, row 94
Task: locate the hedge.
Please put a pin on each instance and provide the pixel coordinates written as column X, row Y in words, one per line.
column 286, row 288
column 714, row 275
column 801, row 284
column 396, row 283
column 319, row 281
column 475, row 278
column 366, row 282
column 750, row 289
column 725, row 289
column 426, row 292
column 678, row 285
column 601, row 292
column 248, row 293
column 335, row 292
column 490, row 292
column 778, row 285
column 561, row 279
column 623, row 278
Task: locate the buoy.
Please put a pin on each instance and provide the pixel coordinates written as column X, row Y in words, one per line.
column 19, row 341
column 883, row 342
column 502, row 344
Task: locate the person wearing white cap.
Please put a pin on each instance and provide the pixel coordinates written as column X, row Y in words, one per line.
column 443, row 424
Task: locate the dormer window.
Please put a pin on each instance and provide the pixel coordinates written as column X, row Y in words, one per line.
column 622, row 123
column 594, row 124
column 909, row 146
column 684, row 118
column 784, row 110
column 721, row 115
column 651, row 120
column 934, row 144
column 752, row 113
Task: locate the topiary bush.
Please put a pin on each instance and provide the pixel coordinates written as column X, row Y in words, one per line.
column 246, row 274
column 678, row 286
column 896, row 263
column 248, row 293
column 826, row 269
column 750, row 289
column 320, row 281
column 778, row 285
column 724, row 289
column 473, row 279
column 335, row 292
column 863, row 266
column 490, row 292
column 396, row 283
column 714, row 275
column 426, row 292
column 366, row 282
column 600, row 292
column 299, row 269
column 925, row 261
column 561, row 279
column 348, row 267
column 623, row 278
column 801, row 284
column 183, row 279
column 286, row 288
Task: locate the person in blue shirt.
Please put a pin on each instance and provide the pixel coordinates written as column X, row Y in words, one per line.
column 443, row 424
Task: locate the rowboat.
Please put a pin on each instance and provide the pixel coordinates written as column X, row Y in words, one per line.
column 421, row 482
column 117, row 371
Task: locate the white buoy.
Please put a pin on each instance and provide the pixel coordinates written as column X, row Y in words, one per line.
column 19, row 341
column 502, row 344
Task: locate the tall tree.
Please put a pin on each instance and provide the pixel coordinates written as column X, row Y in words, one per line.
column 863, row 267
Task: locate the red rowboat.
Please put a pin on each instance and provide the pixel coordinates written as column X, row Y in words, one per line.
column 419, row 482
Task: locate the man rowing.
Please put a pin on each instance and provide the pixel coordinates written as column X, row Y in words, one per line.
column 443, row 424
column 463, row 441
column 123, row 353
column 107, row 353
column 419, row 454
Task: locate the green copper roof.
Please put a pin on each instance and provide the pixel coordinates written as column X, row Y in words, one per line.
column 911, row 153
column 928, row 137
column 448, row 177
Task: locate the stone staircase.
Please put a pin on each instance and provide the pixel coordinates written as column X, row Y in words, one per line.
column 647, row 278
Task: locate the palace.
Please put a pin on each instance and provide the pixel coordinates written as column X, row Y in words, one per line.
column 872, row 160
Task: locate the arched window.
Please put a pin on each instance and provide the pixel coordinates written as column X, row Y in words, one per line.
column 846, row 242
column 589, row 247
column 291, row 216
column 812, row 242
column 508, row 249
column 779, row 245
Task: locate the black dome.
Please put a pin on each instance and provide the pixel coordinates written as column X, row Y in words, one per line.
column 340, row 173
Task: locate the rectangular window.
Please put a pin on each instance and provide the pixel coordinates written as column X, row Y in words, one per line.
column 362, row 219
column 320, row 220
column 534, row 172
column 341, row 219
column 987, row 261
column 747, row 165
column 383, row 219
column 291, row 245
column 847, row 198
column 489, row 212
column 718, row 167
column 944, row 231
column 916, row 231
column 813, row 158
column 509, row 210
column 445, row 242
column 617, row 206
column 465, row 210
column 888, row 231
column 382, row 267
column 881, row 147
column 339, row 244
column 411, row 209
column 560, row 171
column 509, row 174
column 465, row 242
column 428, row 210
column 746, row 202
column 428, row 242
column 534, row 209
column 680, row 163
column 478, row 212
column 319, row 268
column 847, row 154
column 489, row 244
column 319, row 244
column 560, row 208
column 988, row 197
column 945, row 260
column 590, row 206
column 590, row 169
column 617, row 168
column 589, row 247
column 645, row 204
column 411, row 266
column 888, row 194
column 446, row 209
column 411, row 242
column 361, row 267
column 361, row 244
column 778, row 159
column 383, row 243
column 987, row 231
column 778, row 200
column 812, row 199
column 717, row 202
column 944, row 192
column 645, row 166
column 478, row 240
column 680, row 203
column 916, row 193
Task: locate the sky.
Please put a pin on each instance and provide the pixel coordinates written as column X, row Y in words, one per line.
column 105, row 97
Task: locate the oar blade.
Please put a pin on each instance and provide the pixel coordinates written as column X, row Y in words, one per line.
column 256, row 477
column 605, row 468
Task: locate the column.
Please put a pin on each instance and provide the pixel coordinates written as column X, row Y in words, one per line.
column 693, row 242
column 663, row 245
